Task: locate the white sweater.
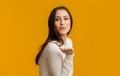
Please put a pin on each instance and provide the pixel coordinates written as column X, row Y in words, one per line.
column 53, row 62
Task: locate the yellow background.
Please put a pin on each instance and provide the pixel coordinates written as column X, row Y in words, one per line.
column 95, row 35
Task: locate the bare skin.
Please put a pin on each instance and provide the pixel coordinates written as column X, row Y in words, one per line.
column 68, row 51
column 62, row 25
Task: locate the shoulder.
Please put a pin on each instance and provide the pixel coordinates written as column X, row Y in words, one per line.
column 52, row 47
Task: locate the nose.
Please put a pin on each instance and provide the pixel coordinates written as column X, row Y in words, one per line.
column 62, row 22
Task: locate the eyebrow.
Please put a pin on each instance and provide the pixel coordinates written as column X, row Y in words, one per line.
column 59, row 16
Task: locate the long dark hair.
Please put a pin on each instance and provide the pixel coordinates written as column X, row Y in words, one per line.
column 53, row 34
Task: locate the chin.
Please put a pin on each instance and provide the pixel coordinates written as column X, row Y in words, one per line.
column 63, row 33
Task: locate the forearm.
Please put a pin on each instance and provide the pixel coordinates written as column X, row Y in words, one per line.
column 67, row 68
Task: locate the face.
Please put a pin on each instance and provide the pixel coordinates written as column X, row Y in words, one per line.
column 62, row 22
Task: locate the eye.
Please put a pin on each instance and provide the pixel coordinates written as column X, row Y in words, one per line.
column 56, row 19
column 66, row 18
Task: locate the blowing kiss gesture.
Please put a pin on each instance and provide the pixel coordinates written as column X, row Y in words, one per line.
column 68, row 51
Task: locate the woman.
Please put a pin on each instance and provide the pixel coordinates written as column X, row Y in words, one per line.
column 56, row 55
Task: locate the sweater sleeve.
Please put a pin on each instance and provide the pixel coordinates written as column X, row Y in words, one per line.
column 58, row 66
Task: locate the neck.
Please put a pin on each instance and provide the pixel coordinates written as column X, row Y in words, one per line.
column 64, row 38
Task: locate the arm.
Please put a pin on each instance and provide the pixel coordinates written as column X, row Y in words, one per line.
column 58, row 66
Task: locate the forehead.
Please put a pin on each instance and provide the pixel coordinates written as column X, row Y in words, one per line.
column 61, row 12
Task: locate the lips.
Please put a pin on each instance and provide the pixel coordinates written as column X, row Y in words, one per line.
column 62, row 28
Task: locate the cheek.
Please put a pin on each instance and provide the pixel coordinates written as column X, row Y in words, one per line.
column 56, row 24
column 69, row 26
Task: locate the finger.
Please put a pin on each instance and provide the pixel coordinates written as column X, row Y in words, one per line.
column 67, row 52
column 70, row 51
column 63, row 50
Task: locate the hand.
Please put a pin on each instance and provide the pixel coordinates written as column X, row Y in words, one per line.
column 68, row 51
